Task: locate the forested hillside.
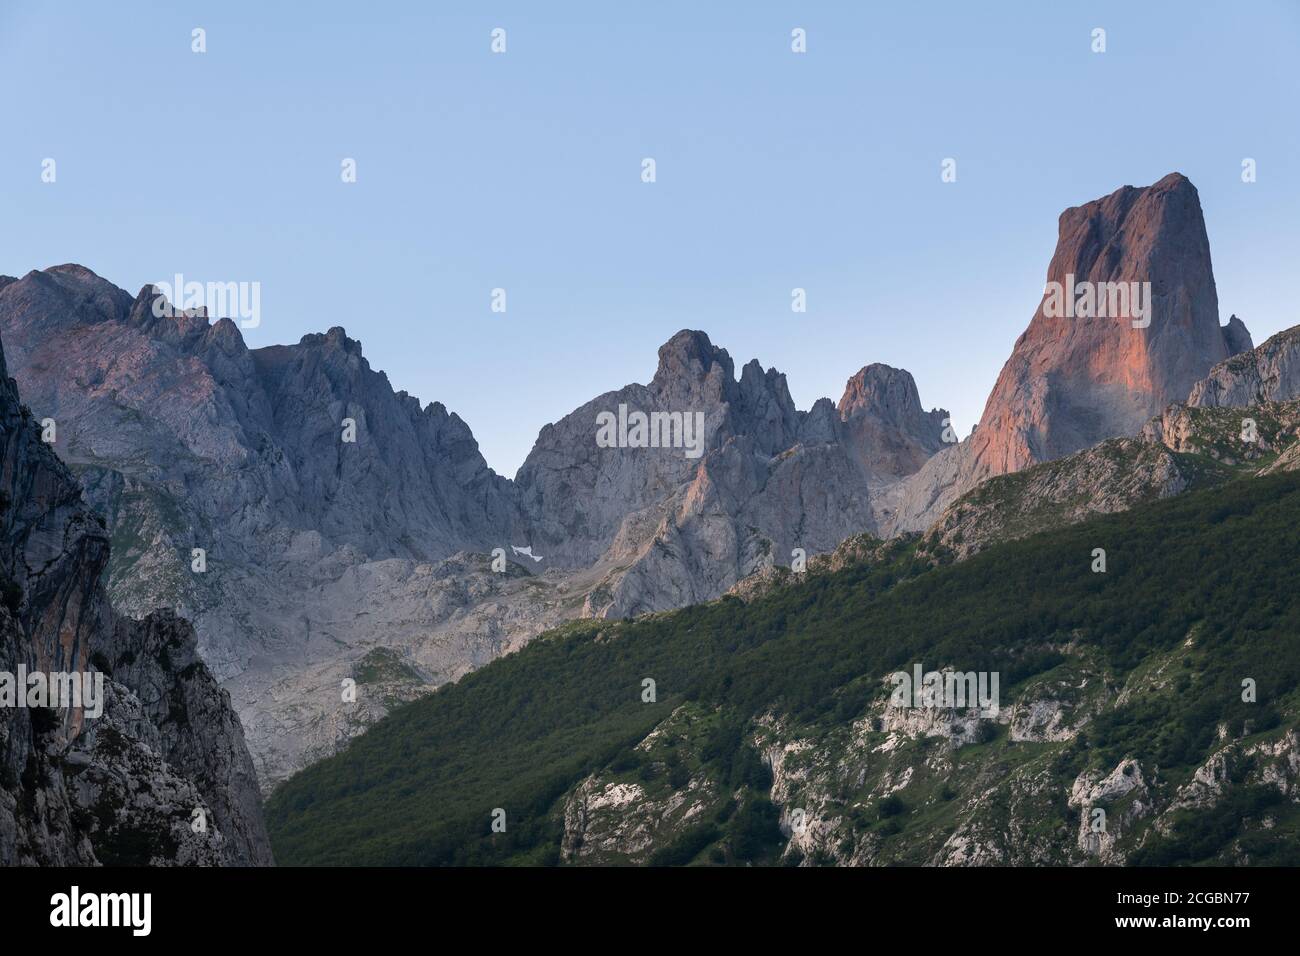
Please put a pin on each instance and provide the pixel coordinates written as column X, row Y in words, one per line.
column 1120, row 690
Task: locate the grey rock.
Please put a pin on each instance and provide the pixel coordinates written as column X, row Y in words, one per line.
column 123, row 785
column 1237, row 337
column 888, row 428
column 1269, row 373
column 322, row 553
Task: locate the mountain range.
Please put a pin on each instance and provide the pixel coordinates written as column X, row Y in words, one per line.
column 326, row 559
column 322, row 530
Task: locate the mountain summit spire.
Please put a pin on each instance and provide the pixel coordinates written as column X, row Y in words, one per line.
column 1074, row 380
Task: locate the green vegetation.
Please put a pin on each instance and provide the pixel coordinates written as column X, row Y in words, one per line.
column 686, row 847
column 1220, row 564
column 1198, row 836
column 383, row 665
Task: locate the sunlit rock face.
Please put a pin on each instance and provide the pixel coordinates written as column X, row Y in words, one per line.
column 1076, row 377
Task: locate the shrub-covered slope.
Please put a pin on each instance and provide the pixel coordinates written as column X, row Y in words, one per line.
column 771, row 738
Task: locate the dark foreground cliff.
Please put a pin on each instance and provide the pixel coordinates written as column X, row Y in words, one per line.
column 159, row 774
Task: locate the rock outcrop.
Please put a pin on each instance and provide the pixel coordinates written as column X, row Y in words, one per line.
column 1182, row 448
column 1270, row 373
column 1076, row 376
column 1237, row 337
column 1075, row 380
column 1114, row 476
column 155, row 771
column 886, row 425
column 768, row 479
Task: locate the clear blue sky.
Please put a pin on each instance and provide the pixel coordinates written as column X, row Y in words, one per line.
column 522, row 171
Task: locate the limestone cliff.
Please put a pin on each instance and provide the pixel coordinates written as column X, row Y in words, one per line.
column 155, row 771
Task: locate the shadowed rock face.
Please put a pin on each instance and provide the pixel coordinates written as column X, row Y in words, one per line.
column 1237, row 337
column 121, row 786
column 885, row 423
column 1074, row 381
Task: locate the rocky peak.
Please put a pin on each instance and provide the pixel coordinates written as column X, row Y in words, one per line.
column 335, row 338
column 887, row 428
column 693, row 375
column 889, row 394
column 821, row 425
column 186, row 330
column 1237, row 337
column 256, row 436
column 86, row 290
column 62, row 293
column 688, row 357
column 765, row 410
column 1077, row 378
